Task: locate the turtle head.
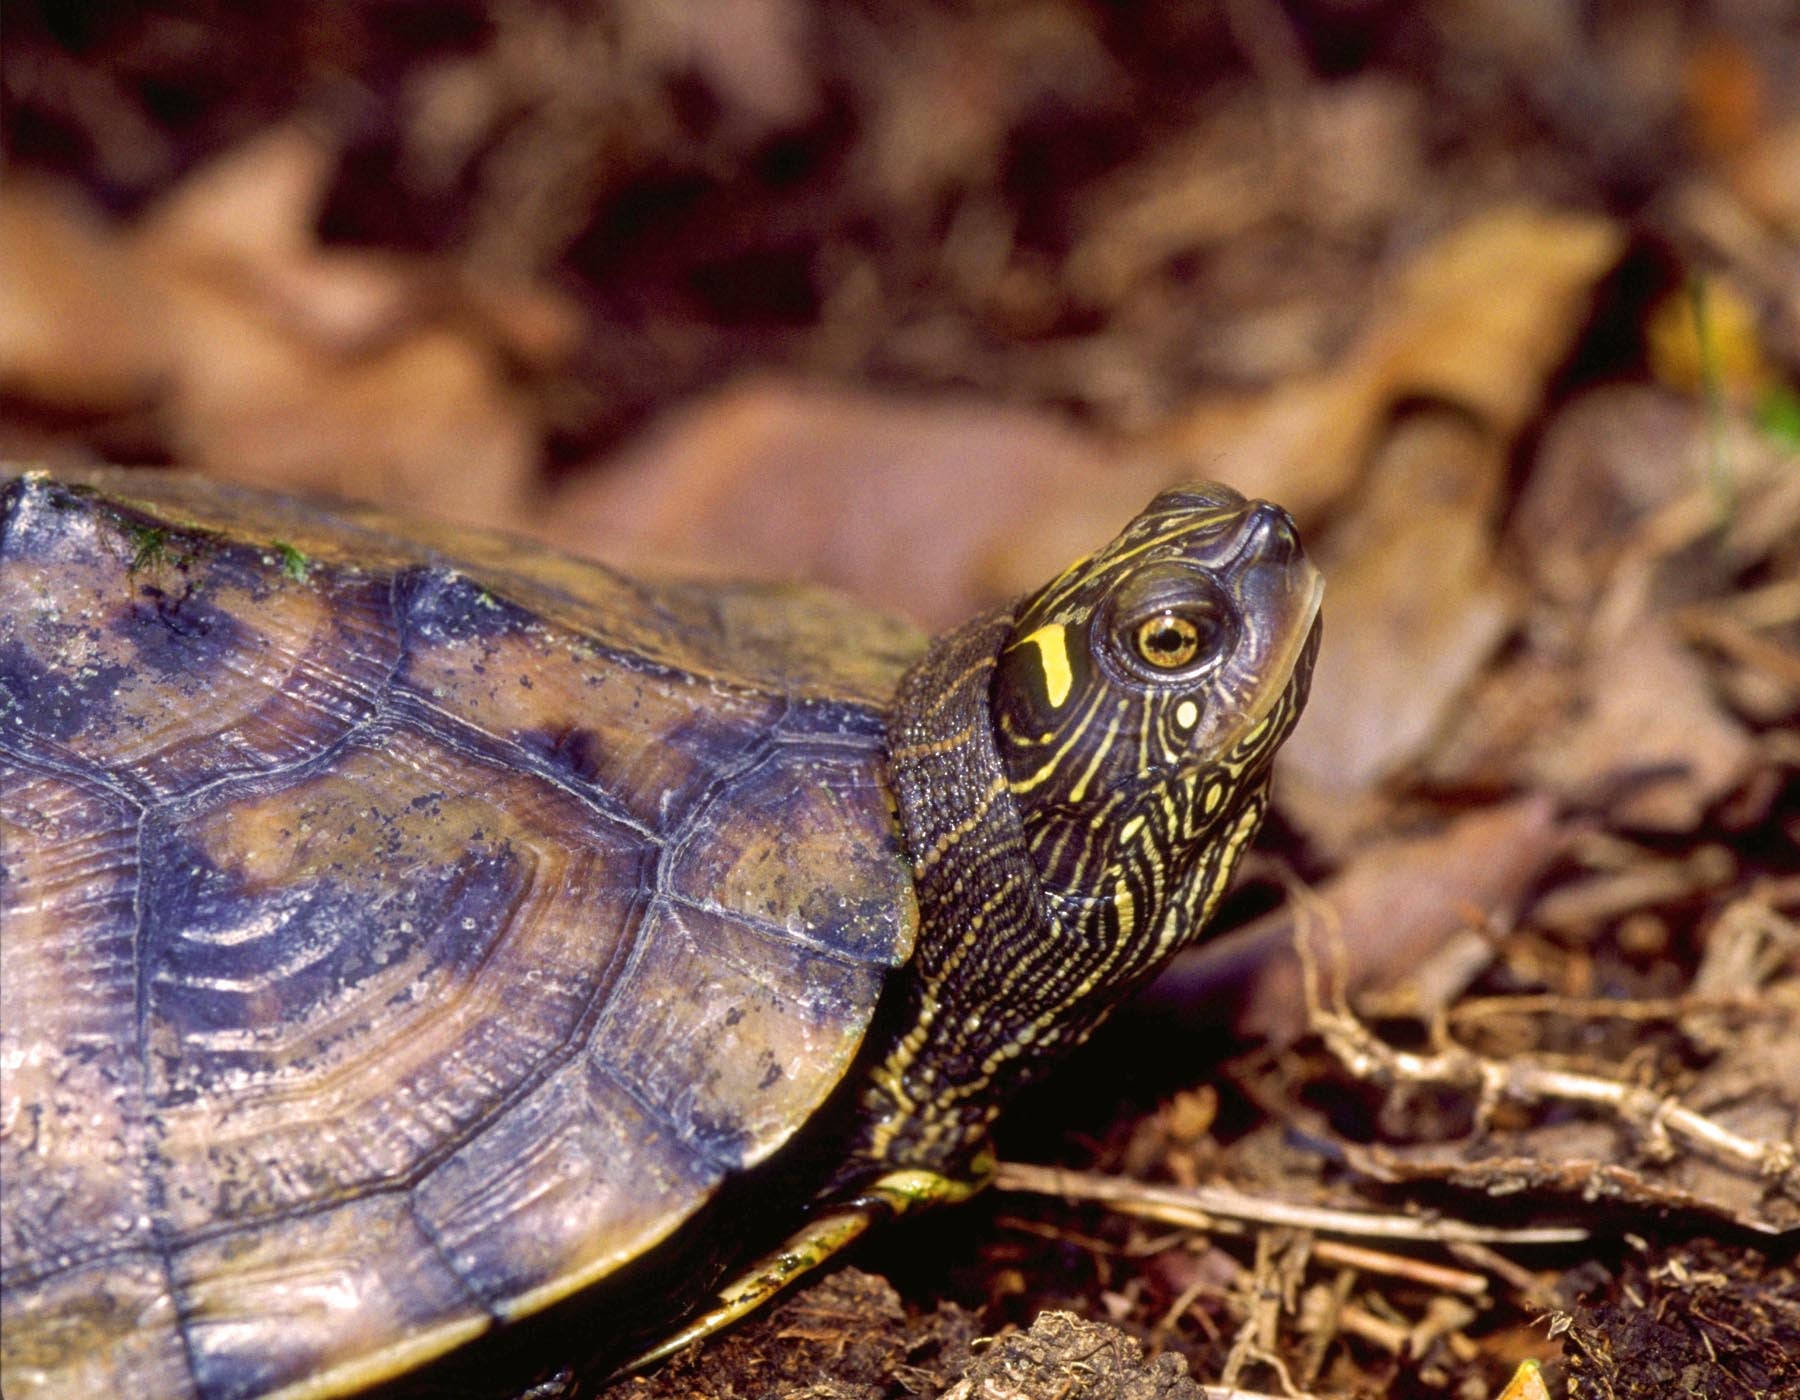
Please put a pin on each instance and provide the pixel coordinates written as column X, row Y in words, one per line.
column 1140, row 696
column 1076, row 777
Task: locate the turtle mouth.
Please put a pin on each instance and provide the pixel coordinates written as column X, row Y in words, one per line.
column 1293, row 627
column 1282, row 662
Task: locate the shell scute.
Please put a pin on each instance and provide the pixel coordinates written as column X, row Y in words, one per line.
column 639, row 738
column 310, row 1294
column 716, row 1024
column 79, row 1331
column 171, row 673
column 72, row 1110
column 349, row 970
column 783, row 844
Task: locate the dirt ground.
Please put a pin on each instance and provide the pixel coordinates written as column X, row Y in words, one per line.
column 1484, row 1085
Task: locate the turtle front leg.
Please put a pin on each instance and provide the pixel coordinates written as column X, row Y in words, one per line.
column 829, row 1230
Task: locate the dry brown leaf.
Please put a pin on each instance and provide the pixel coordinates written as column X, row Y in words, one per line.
column 1479, row 319
column 425, row 423
column 255, row 203
column 754, row 54
column 244, row 222
column 1414, row 608
column 74, row 333
column 1346, row 158
column 1722, row 90
column 302, row 368
column 1606, row 462
column 1205, row 187
column 944, row 94
column 1766, row 177
column 919, row 506
column 1485, row 315
column 1652, row 745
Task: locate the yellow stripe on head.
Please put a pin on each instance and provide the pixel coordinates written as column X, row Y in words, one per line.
column 1053, row 660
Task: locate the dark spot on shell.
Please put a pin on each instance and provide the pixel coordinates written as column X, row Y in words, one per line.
column 574, row 751
column 770, row 1076
column 178, row 633
column 225, row 952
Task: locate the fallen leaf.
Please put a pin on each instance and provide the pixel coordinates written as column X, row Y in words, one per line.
column 1723, row 96
column 754, row 53
column 426, row 423
column 1347, row 161
column 1480, row 320
column 1415, row 607
column 255, row 203
column 1652, row 744
column 1607, row 461
column 303, row 368
column 930, row 507
column 75, row 329
column 1766, row 177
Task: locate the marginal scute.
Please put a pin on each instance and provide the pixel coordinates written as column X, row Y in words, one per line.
column 782, row 637
column 301, row 1296
column 353, row 914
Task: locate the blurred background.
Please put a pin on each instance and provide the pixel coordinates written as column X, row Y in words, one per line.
column 919, row 300
column 910, row 297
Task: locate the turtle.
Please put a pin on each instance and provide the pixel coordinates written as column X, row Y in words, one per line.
column 405, row 930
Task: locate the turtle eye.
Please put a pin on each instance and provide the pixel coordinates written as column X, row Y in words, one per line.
column 1170, row 623
column 1168, row 641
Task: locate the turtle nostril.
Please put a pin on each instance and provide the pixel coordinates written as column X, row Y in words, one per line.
column 1268, row 535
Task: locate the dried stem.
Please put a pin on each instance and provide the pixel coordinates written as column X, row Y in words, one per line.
column 1660, row 1120
column 1201, row 1203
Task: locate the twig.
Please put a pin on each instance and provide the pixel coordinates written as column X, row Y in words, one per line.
column 1737, row 640
column 1391, row 1337
column 1375, row 1261
column 1754, row 1004
column 1321, row 1320
column 1262, row 1294
column 1203, row 1202
column 1601, row 897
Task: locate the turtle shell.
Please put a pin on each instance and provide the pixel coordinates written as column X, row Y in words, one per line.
column 402, row 928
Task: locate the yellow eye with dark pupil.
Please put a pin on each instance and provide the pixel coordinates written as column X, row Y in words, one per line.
column 1168, row 640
